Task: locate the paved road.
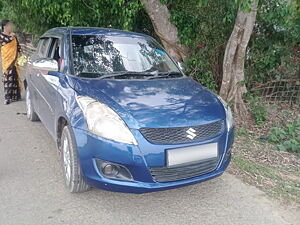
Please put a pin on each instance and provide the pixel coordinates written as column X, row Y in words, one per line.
column 32, row 190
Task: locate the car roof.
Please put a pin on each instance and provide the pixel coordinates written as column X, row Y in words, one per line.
column 91, row 31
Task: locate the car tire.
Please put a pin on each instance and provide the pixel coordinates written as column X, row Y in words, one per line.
column 72, row 171
column 31, row 114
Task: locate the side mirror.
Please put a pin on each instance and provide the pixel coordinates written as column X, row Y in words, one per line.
column 182, row 66
column 47, row 64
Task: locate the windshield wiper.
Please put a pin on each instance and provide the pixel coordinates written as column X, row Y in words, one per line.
column 139, row 75
column 89, row 75
column 104, row 75
column 127, row 73
column 166, row 75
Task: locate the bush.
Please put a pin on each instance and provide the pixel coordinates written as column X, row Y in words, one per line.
column 287, row 138
column 273, row 51
column 258, row 110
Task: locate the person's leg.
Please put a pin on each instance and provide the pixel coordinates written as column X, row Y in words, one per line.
column 14, row 89
column 6, row 83
column 18, row 91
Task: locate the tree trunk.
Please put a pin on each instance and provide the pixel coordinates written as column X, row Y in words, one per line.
column 233, row 83
column 165, row 30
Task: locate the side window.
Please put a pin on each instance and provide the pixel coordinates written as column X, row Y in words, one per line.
column 54, row 49
column 42, row 47
column 39, row 45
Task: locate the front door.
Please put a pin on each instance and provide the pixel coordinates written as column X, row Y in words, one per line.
column 34, row 75
column 47, row 85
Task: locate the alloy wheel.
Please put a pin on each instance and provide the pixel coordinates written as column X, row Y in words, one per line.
column 66, row 159
column 28, row 104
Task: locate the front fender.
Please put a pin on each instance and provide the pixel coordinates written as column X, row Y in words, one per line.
column 67, row 107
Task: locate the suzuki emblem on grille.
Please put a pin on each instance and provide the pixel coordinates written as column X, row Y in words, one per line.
column 191, row 133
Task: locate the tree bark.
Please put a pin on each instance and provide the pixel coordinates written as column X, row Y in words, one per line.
column 165, row 30
column 233, row 83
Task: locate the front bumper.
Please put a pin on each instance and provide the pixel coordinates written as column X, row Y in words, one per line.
column 138, row 159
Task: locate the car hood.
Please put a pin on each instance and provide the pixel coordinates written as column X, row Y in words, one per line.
column 154, row 103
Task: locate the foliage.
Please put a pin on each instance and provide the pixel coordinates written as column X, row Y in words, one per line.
column 287, row 138
column 204, row 26
column 258, row 110
column 274, row 48
column 36, row 16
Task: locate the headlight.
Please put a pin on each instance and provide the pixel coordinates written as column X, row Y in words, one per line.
column 104, row 122
column 229, row 117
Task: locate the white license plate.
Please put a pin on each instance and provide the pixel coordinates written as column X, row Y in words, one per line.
column 191, row 154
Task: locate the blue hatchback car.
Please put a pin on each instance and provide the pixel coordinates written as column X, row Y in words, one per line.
column 124, row 116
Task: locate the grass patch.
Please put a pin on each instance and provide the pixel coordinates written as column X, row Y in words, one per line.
column 287, row 191
column 242, row 132
column 274, row 172
column 255, row 168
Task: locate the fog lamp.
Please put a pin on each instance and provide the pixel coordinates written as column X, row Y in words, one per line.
column 110, row 170
column 113, row 170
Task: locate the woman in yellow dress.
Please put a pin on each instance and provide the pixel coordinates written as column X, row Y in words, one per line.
column 10, row 49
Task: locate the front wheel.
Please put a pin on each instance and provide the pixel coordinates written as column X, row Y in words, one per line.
column 71, row 166
column 31, row 114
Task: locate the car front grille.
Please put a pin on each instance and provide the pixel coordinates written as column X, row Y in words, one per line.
column 177, row 135
column 184, row 171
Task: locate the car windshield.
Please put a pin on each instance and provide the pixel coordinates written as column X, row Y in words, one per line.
column 102, row 56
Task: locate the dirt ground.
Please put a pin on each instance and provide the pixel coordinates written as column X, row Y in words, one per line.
column 257, row 162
